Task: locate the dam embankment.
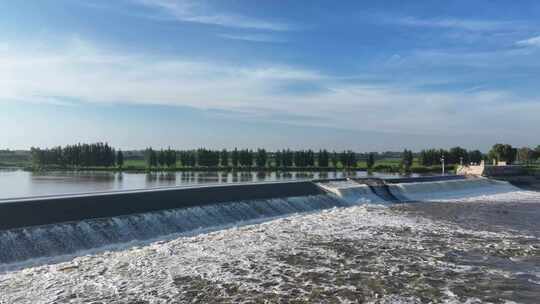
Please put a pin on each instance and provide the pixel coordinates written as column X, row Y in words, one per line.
column 57, row 225
column 518, row 175
column 33, row 211
column 44, row 210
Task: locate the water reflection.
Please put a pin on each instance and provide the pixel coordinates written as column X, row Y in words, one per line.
column 286, row 175
column 261, row 176
column 246, row 177
column 223, row 177
column 17, row 183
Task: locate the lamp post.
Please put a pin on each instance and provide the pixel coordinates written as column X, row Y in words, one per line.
column 461, row 161
column 442, row 162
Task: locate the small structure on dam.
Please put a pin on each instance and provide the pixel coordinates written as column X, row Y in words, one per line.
column 516, row 174
column 498, row 170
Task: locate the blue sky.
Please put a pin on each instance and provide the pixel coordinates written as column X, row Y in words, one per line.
column 374, row 76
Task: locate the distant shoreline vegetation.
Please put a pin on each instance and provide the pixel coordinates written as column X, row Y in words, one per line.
column 103, row 157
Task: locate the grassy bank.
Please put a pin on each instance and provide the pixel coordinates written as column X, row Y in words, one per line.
column 384, row 166
column 14, row 164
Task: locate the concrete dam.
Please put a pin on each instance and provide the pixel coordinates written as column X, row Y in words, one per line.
column 49, row 226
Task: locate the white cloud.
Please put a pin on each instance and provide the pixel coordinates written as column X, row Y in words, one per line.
column 253, row 38
column 86, row 72
column 197, row 12
column 534, row 41
column 453, row 23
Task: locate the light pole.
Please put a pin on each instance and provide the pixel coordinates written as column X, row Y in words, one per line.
column 442, row 162
column 461, row 161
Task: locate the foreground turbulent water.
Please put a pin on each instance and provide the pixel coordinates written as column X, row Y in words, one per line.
column 483, row 249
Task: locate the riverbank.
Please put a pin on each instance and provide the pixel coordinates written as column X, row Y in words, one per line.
column 140, row 167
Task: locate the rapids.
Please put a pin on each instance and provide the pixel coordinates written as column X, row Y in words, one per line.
column 472, row 241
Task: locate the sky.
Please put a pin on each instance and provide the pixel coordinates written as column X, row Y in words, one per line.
column 361, row 75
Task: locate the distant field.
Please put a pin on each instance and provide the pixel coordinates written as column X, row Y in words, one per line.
column 15, row 163
column 14, row 158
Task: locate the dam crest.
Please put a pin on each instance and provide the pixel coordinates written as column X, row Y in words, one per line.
column 59, row 225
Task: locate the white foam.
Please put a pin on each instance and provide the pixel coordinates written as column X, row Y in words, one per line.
column 250, row 257
column 278, row 257
column 452, row 189
column 353, row 192
column 66, row 238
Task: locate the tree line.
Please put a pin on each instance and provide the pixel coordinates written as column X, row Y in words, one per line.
column 79, row 155
column 509, row 154
column 103, row 155
column 498, row 153
column 162, row 158
column 246, row 158
column 454, row 156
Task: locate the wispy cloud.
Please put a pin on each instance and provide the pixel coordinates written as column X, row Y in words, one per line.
column 82, row 70
column 534, row 41
column 198, row 12
column 253, row 38
column 454, row 23
column 92, row 73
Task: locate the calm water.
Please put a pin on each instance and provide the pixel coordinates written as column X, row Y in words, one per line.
column 18, row 183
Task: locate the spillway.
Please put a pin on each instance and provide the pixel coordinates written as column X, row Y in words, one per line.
column 55, row 226
column 353, row 192
column 450, row 189
column 65, row 238
column 278, row 243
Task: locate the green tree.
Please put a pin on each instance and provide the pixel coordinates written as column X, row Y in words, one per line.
column 150, row 157
column 278, row 159
column 407, row 160
column 299, row 159
column 161, row 158
column 525, row 154
column 120, row 158
column 323, row 158
column 235, row 158
column 288, row 158
column 475, row 157
column 370, row 161
column 456, row 155
column 348, row 159
column 170, row 158
column 503, row 152
column 261, row 158
column 224, row 158
column 536, row 153
column 334, row 159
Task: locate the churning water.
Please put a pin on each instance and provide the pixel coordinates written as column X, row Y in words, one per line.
column 353, row 192
column 464, row 241
column 58, row 239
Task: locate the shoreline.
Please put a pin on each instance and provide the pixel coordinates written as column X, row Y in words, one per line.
column 376, row 169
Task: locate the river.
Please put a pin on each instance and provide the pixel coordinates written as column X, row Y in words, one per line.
column 19, row 183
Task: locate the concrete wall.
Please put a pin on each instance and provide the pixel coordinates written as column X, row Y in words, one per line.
column 436, row 178
column 491, row 171
column 35, row 211
column 56, row 209
column 495, row 171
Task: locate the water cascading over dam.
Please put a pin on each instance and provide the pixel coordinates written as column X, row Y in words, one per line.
column 53, row 226
column 450, row 189
column 56, row 239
